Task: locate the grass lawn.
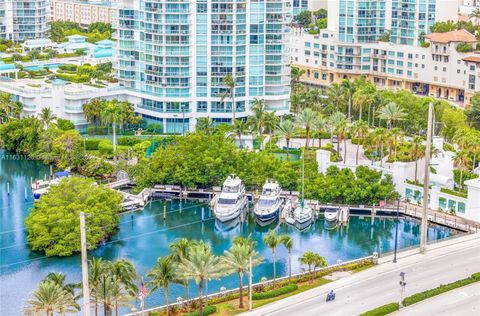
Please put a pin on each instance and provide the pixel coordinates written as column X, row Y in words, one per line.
column 231, row 307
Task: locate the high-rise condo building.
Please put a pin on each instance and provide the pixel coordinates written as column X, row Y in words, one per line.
column 365, row 21
column 22, row 20
column 176, row 53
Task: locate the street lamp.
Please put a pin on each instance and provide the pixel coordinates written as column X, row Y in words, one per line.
column 402, row 288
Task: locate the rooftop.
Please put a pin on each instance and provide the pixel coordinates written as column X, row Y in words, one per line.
column 473, row 59
column 458, row 36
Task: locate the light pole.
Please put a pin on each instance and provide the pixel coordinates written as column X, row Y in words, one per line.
column 396, row 233
column 426, row 182
column 402, row 288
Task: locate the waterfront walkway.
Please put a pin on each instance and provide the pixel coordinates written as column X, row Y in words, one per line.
column 444, row 262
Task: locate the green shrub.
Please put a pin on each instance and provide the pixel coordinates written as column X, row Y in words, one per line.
column 97, row 130
column 208, row 310
column 417, row 297
column 128, row 141
column 456, row 193
column 73, row 78
column 382, row 310
column 92, row 144
column 65, row 125
column 448, row 147
column 276, row 292
column 68, row 67
column 105, row 147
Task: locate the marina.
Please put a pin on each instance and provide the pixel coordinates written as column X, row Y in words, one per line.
column 145, row 234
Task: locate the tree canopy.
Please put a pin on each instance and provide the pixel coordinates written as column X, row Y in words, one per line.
column 53, row 223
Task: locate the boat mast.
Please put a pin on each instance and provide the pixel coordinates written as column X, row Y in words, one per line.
column 303, row 176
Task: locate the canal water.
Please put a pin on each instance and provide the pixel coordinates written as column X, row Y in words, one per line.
column 145, row 235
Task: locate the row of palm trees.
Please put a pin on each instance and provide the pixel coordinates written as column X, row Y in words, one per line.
column 112, row 284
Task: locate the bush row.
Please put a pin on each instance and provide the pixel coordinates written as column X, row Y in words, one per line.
column 382, row 310
column 276, row 292
column 208, row 310
column 418, row 297
column 415, row 298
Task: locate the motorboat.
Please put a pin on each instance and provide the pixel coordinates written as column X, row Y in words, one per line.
column 331, row 214
column 229, row 204
column 41, row 187
column 270, row 203
column 303, row 214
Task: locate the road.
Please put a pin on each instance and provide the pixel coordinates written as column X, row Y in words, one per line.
column 444, row 263
column 462, row 301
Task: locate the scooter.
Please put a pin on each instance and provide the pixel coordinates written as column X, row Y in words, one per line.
column 330, row 296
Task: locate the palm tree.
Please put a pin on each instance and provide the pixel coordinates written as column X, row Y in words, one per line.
column 239, row 128
column 380, row 138
column 359, row 131
column 338, row 121
column 201, row 265
column 461, row 161
column 336, row 94
column 179, row 250
column 47, row 117
column 237, row 260
column 306, row 119
column 247, row 242
column 321, row 125
column 417, row 151
column 51, row 298
column 270, row 120
column 60, row 279
column 5, row 106
column 257, row 120
column 287, row 241
column 230, row 83
column 124, row 270
column 349, row 88
column 286, row 129
column 205, row 124
column 395, row 134
column 162, row 275
column 476, row 14
column 113, row 113
column 295, row 75
column 271, row 240
column 391, row 112
column 96, row 269
column 308, row 259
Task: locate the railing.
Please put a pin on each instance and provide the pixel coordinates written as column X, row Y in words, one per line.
column 255, row 285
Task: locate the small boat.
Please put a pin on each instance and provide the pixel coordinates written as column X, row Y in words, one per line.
column 229, row 204
column 41, row 187
column 303, row 214
column 331, row 214
column 269, row 204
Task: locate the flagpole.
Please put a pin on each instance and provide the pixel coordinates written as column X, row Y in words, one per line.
column 251, row 287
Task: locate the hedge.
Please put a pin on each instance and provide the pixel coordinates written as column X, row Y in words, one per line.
column 128, row 141
column 208, row 310
column 415, row 298
column 92, row 144
column 105, row 147
column 382, row 310
column 276, row 292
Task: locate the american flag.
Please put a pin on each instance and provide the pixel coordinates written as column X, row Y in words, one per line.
column 142, row 291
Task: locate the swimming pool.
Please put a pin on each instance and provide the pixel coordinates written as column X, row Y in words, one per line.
column 38, row 67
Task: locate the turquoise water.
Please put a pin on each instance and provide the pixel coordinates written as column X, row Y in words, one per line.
column 144, row 235
column 38, row 67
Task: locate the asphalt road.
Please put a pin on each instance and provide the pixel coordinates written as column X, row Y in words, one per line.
column 444, row 263
column 459, row 302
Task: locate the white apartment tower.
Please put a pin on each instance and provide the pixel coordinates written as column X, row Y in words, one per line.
column 176, row 53
column 22, row 20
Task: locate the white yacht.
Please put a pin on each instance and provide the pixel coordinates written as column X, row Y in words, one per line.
column 331, row 214
column 303, row 214
column 231, row 201
column 270, row 203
